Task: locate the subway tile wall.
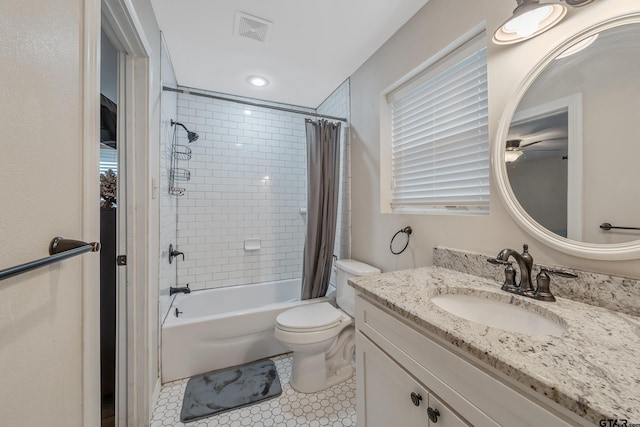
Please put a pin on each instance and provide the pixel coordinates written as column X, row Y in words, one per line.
column 248, row 181
column 168, row 203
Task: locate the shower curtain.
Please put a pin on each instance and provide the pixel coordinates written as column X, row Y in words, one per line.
column 323, row 174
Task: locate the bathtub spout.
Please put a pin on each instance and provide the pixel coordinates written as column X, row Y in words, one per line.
column 184, row 290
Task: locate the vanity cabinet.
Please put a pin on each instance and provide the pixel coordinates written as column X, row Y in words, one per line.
column 392, row 397
column 396, row 358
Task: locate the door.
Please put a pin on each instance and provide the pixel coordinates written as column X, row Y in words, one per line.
column 135, row 362
column 550, row 135
column 389, row 396
column 111, row 205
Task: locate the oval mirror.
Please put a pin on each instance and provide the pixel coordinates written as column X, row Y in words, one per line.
column 567, row 157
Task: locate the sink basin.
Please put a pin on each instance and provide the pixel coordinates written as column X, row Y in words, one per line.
column 498, row 314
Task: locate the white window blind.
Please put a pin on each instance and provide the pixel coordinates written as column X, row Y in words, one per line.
column 108, row 160
column 439, row 136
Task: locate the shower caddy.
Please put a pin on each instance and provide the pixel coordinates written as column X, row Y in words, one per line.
column 179, row 153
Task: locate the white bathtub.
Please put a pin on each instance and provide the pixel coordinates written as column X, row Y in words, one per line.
column 222, row 327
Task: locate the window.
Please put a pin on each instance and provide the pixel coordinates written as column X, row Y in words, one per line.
column 108, row 159
column 439, row 136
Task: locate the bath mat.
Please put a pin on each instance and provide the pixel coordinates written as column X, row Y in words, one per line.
column 225, row 389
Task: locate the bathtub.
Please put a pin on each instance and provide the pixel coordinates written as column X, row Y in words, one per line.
column 222, row 327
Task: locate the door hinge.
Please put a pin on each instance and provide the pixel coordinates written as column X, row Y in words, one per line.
column 121, row 260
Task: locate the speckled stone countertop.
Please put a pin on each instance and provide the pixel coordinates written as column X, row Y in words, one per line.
column 593, row 368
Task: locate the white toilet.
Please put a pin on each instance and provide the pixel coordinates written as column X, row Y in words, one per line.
column 322, row 336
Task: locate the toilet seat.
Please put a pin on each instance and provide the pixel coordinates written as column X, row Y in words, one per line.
column 310, row 318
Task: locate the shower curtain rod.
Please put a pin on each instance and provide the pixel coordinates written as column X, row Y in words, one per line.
column 253, row 104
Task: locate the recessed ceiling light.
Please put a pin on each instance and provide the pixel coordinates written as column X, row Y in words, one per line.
column 258, row 81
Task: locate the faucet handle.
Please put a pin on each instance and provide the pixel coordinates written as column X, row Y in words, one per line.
column 509, row 284
column 543, row 280
column 542, row 291
column 174, row 253
column 561, row 273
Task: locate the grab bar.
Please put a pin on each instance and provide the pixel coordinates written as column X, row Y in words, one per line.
column 606, row 226
column 59, row 249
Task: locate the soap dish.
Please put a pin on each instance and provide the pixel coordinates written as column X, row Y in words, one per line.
column 251, row 244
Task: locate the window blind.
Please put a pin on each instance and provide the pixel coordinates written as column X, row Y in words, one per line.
column 108, row 160
column 439, row 141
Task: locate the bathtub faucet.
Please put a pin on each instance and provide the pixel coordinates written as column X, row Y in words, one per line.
column 173, row 253
column 184, row 290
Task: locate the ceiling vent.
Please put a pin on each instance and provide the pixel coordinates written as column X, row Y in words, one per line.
column 253, row 27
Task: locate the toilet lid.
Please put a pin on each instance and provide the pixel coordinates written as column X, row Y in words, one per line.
column 310, row 317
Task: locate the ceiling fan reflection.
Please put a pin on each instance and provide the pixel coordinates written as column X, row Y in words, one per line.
column 516, row 148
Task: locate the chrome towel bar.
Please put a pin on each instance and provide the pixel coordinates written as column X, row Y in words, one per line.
column 59, row 249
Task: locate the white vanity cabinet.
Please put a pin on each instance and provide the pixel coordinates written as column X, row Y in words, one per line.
column 396, row 358
column 391, row 397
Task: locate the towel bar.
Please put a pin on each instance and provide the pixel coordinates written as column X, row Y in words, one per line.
column 607, row 226
column 59, row 249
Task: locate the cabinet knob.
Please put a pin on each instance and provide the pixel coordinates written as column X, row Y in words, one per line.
column 416, row 398
column 433, row 414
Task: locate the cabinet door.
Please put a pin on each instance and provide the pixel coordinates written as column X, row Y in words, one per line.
column 384, row 390
column 441, row 416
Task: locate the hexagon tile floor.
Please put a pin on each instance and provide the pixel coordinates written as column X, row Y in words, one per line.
column 333, row 407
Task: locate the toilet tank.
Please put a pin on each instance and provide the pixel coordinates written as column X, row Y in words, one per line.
column 345, row 294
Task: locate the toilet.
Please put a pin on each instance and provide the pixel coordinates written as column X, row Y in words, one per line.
column 321, row 336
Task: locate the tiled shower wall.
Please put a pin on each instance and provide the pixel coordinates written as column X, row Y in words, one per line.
column 168, row 203
column 248, row 181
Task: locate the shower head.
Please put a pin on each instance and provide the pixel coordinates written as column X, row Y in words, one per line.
column 191, row 136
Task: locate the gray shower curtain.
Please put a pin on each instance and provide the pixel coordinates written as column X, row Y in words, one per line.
column 323, row 174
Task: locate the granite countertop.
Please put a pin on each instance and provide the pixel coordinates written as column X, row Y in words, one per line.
column 591, row 369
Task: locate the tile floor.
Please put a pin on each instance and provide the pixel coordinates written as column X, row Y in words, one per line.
column 334, row 407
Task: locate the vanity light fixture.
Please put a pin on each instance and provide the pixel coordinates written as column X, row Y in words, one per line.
column 258, row 81
column 577, row 3
column 529, row 19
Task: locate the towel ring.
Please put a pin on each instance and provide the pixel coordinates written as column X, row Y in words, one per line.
column 407, row 230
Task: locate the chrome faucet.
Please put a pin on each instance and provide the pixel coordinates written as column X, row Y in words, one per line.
column 525, row 263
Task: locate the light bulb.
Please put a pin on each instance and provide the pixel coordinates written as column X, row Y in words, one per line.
column 512, row 155
column 258, row 81
column 529, row 22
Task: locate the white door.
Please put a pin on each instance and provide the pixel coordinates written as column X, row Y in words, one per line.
column 389, row 396
column 120, row 22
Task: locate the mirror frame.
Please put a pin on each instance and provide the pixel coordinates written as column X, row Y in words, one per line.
column 616, row 251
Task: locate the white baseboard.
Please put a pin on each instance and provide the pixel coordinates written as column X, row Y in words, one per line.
column 154, row 398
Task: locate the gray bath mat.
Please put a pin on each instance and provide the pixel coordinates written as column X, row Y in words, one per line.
column 226, row 389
